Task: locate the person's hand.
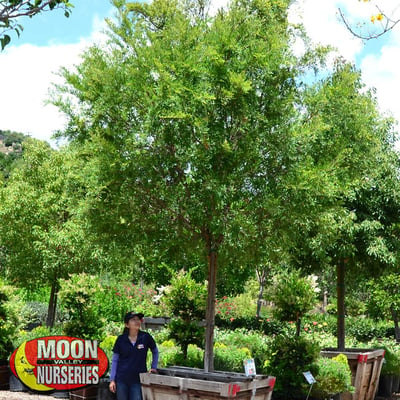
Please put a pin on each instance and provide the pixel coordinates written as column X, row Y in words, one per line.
column 113, row 386
column 152, row 371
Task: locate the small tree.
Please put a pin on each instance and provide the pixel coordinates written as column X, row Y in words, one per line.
column 78, row 301
column 293, row 296
column 186, row 301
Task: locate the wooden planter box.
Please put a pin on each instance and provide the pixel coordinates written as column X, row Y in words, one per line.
column 183, row 383
column 365, row 366
column 86, row 393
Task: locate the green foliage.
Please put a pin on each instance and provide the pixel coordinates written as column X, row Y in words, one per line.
column 171, row 355
column 230, row 357
column 288, row 357
column 11, row 158
column 77, row 299
column 119, row 296
column 391, row 361
column 107, row 345
column 9, row 318
column 268, row 326
column 367, row 329
column 240, row 306
column 185, row 299
column 333, row 376
column 254, row 342
column 384, row 295
column 40, row 331
column 293, row 296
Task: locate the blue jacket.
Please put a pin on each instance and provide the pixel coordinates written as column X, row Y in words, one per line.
column 132, row 358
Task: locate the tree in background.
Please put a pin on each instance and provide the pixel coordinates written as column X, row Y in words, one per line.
column 11, row 10
column 352, row 145
column 41, row 236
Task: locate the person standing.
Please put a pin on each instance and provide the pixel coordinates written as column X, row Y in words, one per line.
column 130, row 358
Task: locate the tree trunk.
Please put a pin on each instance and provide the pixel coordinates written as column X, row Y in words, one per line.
column 340, row 291
column 395, row 318
column 51, row 311
column 261, row 280
column 210, row 312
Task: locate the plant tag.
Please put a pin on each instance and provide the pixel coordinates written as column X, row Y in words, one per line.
column 309, row 377
column 249, row 367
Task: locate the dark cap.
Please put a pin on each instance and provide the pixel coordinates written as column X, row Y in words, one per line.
column 132, row 314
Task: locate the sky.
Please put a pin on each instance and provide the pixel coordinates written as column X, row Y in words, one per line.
column 29, row 65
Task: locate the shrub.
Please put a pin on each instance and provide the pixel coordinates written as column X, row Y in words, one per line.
column 34, row 313
column 333, row 376
column 39, row 331
column 366, row 329
column 255, row 342
column 107, row 344
column 266, row 325
column 117, row 298
column 288, row 357
column 172, row 355
column 186, row 301
column 77, row 299
column 10, row 308
column 230, row 358
column 293, row 296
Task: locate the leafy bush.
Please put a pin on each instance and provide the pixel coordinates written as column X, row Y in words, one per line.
column 34, row 313
column 266, row 325
column 230, row 358
column 10, row 308
column 77, row 299
column 333, row 376
column 288, row 357
column 391, row 361
column 117, row 298
column 39, row 331
column 254, row 342
column 366, row 329
column 170, row 355
column 186, row 301
column 293, row 296
column 107, row 344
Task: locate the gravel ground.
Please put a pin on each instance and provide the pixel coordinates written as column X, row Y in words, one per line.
column 7, row 395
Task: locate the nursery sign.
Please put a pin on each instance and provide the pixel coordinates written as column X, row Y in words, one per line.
column 58, row 363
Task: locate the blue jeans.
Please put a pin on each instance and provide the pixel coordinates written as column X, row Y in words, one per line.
column 129, row 392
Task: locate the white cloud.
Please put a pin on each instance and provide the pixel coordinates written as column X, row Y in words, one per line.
column 379, row 62
column 381, row 72
column 27, row 73
column 29, row 70
column 324, row 27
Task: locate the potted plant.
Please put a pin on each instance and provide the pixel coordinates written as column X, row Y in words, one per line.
column 388, row 381
column 333, row 376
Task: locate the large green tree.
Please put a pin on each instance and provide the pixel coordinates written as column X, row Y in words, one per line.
column 202, row 144
column 189, row 120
